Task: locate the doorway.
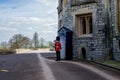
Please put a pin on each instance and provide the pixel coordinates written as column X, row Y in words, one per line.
column 83, row 53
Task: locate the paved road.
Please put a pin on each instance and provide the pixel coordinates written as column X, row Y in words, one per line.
column 35, row 67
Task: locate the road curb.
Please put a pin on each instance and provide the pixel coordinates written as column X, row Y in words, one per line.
column 106, row 65
column 101, row 64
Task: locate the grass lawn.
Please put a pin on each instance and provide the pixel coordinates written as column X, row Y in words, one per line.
column 112, row 63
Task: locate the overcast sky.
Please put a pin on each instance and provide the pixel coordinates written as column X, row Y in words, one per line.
column 28, row 16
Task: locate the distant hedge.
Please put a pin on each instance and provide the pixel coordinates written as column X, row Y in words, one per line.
column 6, row 52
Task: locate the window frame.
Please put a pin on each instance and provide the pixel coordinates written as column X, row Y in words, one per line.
column 79, row 27
column 118, row 15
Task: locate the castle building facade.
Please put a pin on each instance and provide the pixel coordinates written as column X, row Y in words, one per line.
column 95, row 27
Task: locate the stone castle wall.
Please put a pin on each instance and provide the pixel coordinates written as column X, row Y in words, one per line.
column 97, row 45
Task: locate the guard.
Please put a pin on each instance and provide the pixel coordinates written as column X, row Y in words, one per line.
column 58, row 48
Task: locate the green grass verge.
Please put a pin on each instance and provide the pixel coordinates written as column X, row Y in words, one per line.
column 112, row 63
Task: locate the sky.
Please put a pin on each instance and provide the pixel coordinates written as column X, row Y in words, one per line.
column 27, row 17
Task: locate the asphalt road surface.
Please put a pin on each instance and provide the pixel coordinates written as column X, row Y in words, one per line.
column 36, row 67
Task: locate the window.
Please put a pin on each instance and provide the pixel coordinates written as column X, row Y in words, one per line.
column 118, row 13
column 84, row 24
column 60, row 23
column 60, row 8
column 119, row 44
column 64, row 2
column 90, row 25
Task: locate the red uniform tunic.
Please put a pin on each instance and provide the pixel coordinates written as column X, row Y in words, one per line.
column 57, row 46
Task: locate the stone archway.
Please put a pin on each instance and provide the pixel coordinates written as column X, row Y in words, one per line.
column 83, row 52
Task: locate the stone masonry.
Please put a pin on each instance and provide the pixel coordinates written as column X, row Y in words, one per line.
column 95, row 46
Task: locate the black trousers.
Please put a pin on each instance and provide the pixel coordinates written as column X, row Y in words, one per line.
column 58, row 55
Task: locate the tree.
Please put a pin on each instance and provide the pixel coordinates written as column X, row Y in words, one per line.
column 35, row 40
column 4, row 45
column 51, row 44
column 19, row 41
column 42, row 42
